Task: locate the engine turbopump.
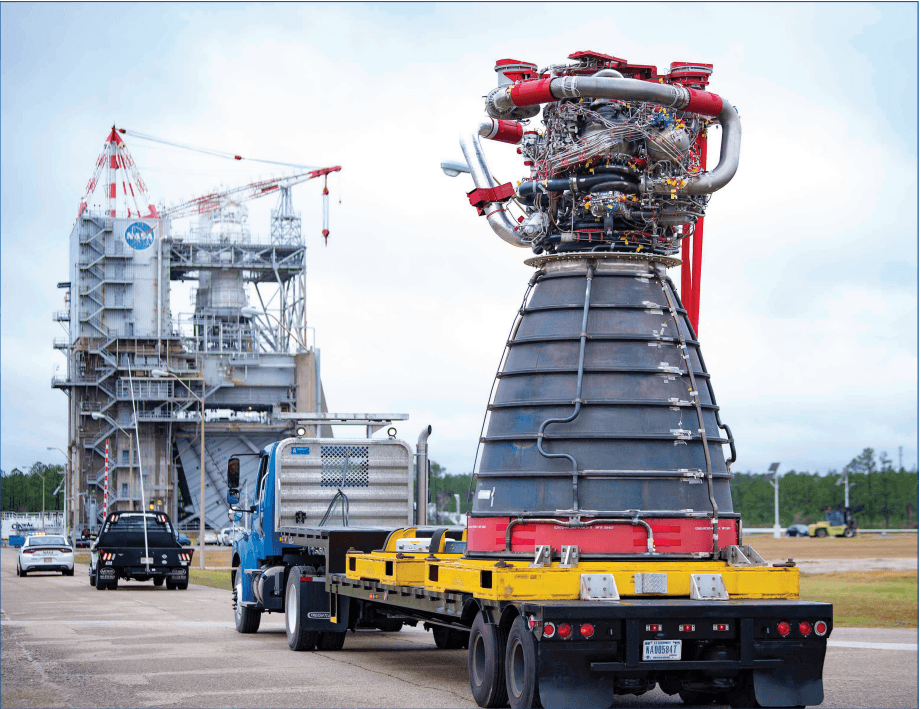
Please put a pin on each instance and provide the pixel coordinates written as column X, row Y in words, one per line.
column 620, row 162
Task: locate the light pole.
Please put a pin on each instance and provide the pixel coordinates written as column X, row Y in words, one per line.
column 66, row 485
column 775, row 481
column 201, row 503
column 43, row 499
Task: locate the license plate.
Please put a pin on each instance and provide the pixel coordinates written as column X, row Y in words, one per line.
column 146, row 559
column 661, row 649
column 48, row 561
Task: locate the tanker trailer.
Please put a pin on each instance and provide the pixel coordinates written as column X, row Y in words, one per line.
column 602, row 555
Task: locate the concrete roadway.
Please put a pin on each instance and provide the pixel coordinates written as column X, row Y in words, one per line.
column 65, row 644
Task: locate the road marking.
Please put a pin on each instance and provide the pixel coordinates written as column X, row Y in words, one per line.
column 872, row 646
column 128, row 623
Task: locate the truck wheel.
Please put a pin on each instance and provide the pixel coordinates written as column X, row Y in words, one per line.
column 92, row 578
column 246, row 619
column 521, row 666
column 486, row 664
column 299, row 638
column 849, row 533
column 330, row 640
column 158, row 581
column 821, row 532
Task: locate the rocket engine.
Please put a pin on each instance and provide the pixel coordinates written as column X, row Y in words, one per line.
column 603, row 438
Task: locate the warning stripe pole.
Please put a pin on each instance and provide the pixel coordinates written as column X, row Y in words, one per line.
column 105, row 495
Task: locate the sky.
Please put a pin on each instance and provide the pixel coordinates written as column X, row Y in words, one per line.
column 809, row 321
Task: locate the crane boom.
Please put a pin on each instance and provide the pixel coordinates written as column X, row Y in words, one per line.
column 254, row 190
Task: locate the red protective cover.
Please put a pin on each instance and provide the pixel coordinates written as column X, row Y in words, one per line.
column 705, row 103
column 508, row 132
column 528, row 93
column 669, row 535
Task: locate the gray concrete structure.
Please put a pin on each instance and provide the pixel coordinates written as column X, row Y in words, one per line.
column 244, row 348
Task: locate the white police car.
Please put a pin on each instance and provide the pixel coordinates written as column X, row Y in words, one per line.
column 45, row 552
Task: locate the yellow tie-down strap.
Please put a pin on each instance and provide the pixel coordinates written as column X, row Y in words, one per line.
column 517, row 580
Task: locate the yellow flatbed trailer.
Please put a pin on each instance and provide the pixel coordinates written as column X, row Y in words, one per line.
column 577, row 633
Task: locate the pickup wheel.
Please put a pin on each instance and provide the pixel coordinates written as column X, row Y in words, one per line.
column 246, row 619
column 299, row 638
column 486, row 664
column 521, row 666
column 158, row 581
column 330, row 640
column 92, row 577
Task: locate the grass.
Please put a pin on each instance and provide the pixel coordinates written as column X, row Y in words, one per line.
column 863, row 546
column 215, row 579
column 866, row 599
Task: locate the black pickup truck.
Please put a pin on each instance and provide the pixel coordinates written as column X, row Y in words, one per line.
column 120, row 551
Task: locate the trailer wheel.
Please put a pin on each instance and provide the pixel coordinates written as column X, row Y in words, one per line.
column 486, row 664
column 299, row 638
column 330, row 640
column 521, row 666
column 245, row 618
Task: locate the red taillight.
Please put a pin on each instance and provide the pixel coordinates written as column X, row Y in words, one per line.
column 783, row 628
column 304, row 579
column 805, row 628
column 28, row 551
column 821, row 628
column 721, row 627
column 564, row 630
column 587, row 630
column 549, row 630
column 654, row 628
column 64, row 550
column 533, row 622
column 107, row 555
column 687, row 628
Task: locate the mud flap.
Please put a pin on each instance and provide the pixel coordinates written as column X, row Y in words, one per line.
column 565, row 678
column 315, row 607
column 797, row 682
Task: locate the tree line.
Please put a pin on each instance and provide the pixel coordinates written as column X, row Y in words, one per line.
column 21, row 491
column 888, row 496
column 882, row 495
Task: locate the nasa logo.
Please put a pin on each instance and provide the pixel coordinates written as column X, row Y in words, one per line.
column 139, row 235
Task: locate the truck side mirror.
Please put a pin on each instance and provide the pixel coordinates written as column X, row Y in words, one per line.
column 233, row 481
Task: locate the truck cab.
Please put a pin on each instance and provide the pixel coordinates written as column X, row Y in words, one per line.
column 315, row 500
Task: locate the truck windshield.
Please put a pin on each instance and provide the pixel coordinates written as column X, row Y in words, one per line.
column 128, row 529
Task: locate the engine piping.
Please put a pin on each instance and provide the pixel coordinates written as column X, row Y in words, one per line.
column 502, row 102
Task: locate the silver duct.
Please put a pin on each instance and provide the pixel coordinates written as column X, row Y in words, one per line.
column 498, row 218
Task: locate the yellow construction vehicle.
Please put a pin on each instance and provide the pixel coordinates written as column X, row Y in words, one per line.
column 836, row 524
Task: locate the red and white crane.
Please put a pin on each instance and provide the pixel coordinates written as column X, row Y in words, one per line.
column 115, row 156
column 254, row 190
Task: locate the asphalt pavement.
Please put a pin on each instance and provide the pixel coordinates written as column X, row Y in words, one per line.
column 65, row 644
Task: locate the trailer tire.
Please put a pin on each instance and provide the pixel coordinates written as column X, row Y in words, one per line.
column 245, row 618
column 486, row 664
column 330, row 640
column 299, row 638
column 521, row 666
